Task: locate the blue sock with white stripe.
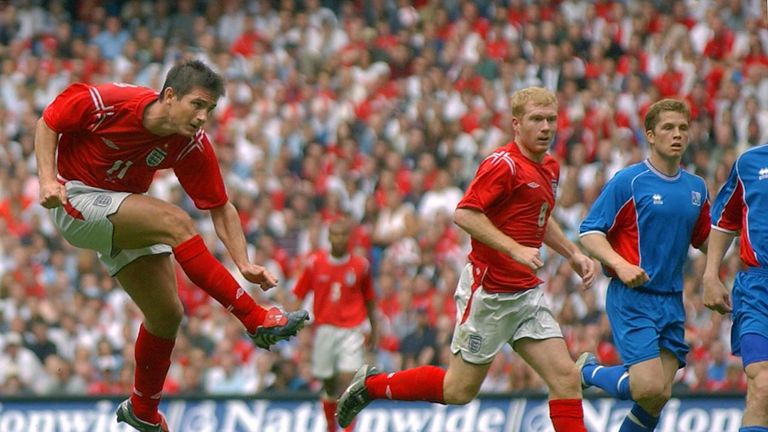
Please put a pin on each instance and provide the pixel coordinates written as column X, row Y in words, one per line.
column 638, row 420
column 753, row 429
column 613, row 379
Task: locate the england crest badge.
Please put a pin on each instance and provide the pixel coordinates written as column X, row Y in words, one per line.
column 156, row 157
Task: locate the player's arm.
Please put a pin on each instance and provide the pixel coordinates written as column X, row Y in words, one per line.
column 226, row 221
column 555, row 238
column 52, row 193
column 716, row 296
column 373, row 340
column 477, row 225
column 598, row 246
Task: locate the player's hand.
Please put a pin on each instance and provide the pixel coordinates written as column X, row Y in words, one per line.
column 584, row 266
column 259, row 275
column 716, row 296
column 632, row 275
column 52, row 195
column 528, row 257
column 372, row 341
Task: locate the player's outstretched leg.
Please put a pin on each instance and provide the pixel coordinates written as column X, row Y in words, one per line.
column 125, row 414
column 355, row 397
column 277, row 326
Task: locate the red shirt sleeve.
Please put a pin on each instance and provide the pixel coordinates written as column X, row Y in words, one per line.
column 73, row 110
column 199, row 174
column 703, row 226
column 494, row 179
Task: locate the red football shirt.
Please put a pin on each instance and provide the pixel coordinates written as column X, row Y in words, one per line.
column 517, row 195
column 341, row 286
column 104, row 144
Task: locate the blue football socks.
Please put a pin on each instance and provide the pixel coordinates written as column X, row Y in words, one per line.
column 638, row 420
column 613, row 379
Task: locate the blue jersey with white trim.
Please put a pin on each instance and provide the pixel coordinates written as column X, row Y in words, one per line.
column 650, row 219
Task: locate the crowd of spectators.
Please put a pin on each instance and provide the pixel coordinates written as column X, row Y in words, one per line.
column 379, row 109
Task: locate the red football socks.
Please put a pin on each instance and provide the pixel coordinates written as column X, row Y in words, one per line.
column 567, row 415
column 205, row 271
column 329, row 408
column 424, row 383
column 153, row 358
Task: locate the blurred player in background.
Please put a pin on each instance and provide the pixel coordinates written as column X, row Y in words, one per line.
column 98, row 148
column 640, row 228
column 506, row 210
column 343, row 299
column 742, row 206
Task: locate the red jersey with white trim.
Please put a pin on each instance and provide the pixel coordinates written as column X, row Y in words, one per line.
column 342, row 287
column 104, row 144
column 517, row 195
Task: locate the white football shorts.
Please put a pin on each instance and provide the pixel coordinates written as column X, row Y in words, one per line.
column 84, row 223
column 337, row 350
column 494, row 319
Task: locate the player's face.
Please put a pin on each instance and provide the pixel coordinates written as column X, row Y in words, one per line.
column 338, row 236
column 669, row 138
column 190, row 112
column 535, row 130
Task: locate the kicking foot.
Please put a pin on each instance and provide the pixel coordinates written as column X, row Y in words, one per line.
column 277, row 326
column 585, row 359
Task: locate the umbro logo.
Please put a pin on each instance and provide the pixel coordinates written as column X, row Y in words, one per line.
column 762, row 174
column 533, row 185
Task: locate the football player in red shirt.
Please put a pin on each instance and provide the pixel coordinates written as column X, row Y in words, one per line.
column 343, row 299
column 97, row 149
column 506, row 210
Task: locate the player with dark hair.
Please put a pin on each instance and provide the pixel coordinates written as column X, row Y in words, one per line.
column 343, row 299
column 640, row 228
column 97, row 149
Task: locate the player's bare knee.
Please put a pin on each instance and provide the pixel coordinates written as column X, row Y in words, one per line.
column 648, row 390
column 167, row 319
column 179, row 224
column 464, row 397
column 567, row 382
column 459, row 395
column 759, row 386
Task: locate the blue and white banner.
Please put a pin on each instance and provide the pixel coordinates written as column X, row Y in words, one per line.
column 482, row 415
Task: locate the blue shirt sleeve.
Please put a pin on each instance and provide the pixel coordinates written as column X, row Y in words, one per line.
column 615, row 195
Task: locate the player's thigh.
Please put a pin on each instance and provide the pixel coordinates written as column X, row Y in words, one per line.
column 324, row 352
column 749, row 331
column 485, row 322
column 351, row 350
column 151, row 282
column 643, row 323
column 552, row 361
column 463, row 380
column 84, row 220
column 143, row 220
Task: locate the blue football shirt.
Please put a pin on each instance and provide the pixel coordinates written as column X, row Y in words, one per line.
column 742, row 205
column 650, row 219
